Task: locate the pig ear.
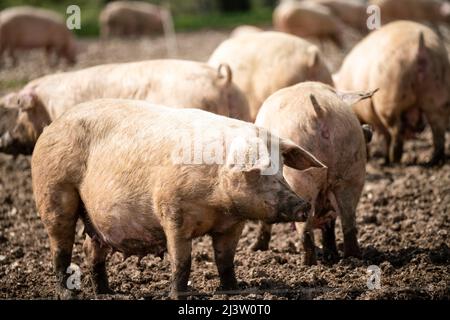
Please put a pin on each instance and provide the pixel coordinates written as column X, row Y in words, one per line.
column 27, row 100
column 298, row 158
column 313, row 57
column 10, row 101
column 316, row 105
column 351, row 98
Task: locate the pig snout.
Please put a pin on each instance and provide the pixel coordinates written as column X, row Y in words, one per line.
column 295, row 209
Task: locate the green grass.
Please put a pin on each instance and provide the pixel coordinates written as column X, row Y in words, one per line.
column 13, row 83
column 260, row 16
column 183, row 20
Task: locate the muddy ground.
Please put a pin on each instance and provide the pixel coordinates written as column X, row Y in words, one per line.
column 403, row 219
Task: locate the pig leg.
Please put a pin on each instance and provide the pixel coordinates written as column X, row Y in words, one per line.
column 330, row 251
column 345, row 197
column 59, row 213
column 438, row 121
column 264, row 235
column 395, row 142
column 96, row 256
column 224, row 250
column 308, row 242
column 179, row 249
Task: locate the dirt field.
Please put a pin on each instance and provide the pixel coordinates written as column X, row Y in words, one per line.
column 403, row 219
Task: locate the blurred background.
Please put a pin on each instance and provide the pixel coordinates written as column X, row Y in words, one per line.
column 188, row 14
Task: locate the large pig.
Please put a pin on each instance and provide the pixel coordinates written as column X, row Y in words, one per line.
column 432, row 11
column 131, row 18
column 408, row 62
column 175, row 83
column 351, row 12
column 320, row 119
column 260, row 69
column 24, row 28
column 307, row 19
column 129, row 170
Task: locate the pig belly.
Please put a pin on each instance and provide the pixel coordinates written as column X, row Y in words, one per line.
column 130, row 233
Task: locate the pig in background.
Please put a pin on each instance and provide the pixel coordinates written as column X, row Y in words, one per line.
column 351, row 12
column 131, row 18
column 176, row 83
column 433, row 12
column 308, row 19
column 110, row 163
column 321, row 120
column 25, row 28
column 409, row 63
column 260, row 69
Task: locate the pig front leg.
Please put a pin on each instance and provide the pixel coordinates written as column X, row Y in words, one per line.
column 224, row 250
column 96, row 256
column 264, row 235
column 308, row 242
column 179, row 249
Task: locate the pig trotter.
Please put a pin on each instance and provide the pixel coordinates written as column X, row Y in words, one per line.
column 96, row 256
column 309, row 256
column 330, row 252
column 351, row 247
column 99, row 279
column 61, row 262
column 437, row 159
column 264, row 235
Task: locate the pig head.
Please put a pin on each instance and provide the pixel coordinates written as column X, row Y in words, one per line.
column 23, row 120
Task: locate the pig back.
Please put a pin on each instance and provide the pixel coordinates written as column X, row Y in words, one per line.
column 180, row 84
column 390, row 59
column 259, row 70
column 332, row 134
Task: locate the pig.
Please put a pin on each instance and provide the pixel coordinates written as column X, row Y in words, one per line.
column 117, row 165
column 131, row 18
column 307, row 19
column 260, row 69
column 408, row 62
column 176, row 83
column 431, row 11
column 28, row 27
column 351, row 12
column 321, row 119
column 244, row 29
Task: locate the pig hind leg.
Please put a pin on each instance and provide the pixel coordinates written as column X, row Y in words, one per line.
column 59, row 212
column 263, row 238
column 96, row 256
column 330, row 252
column 438, row 122
column 345, row 197
column 224, row 250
